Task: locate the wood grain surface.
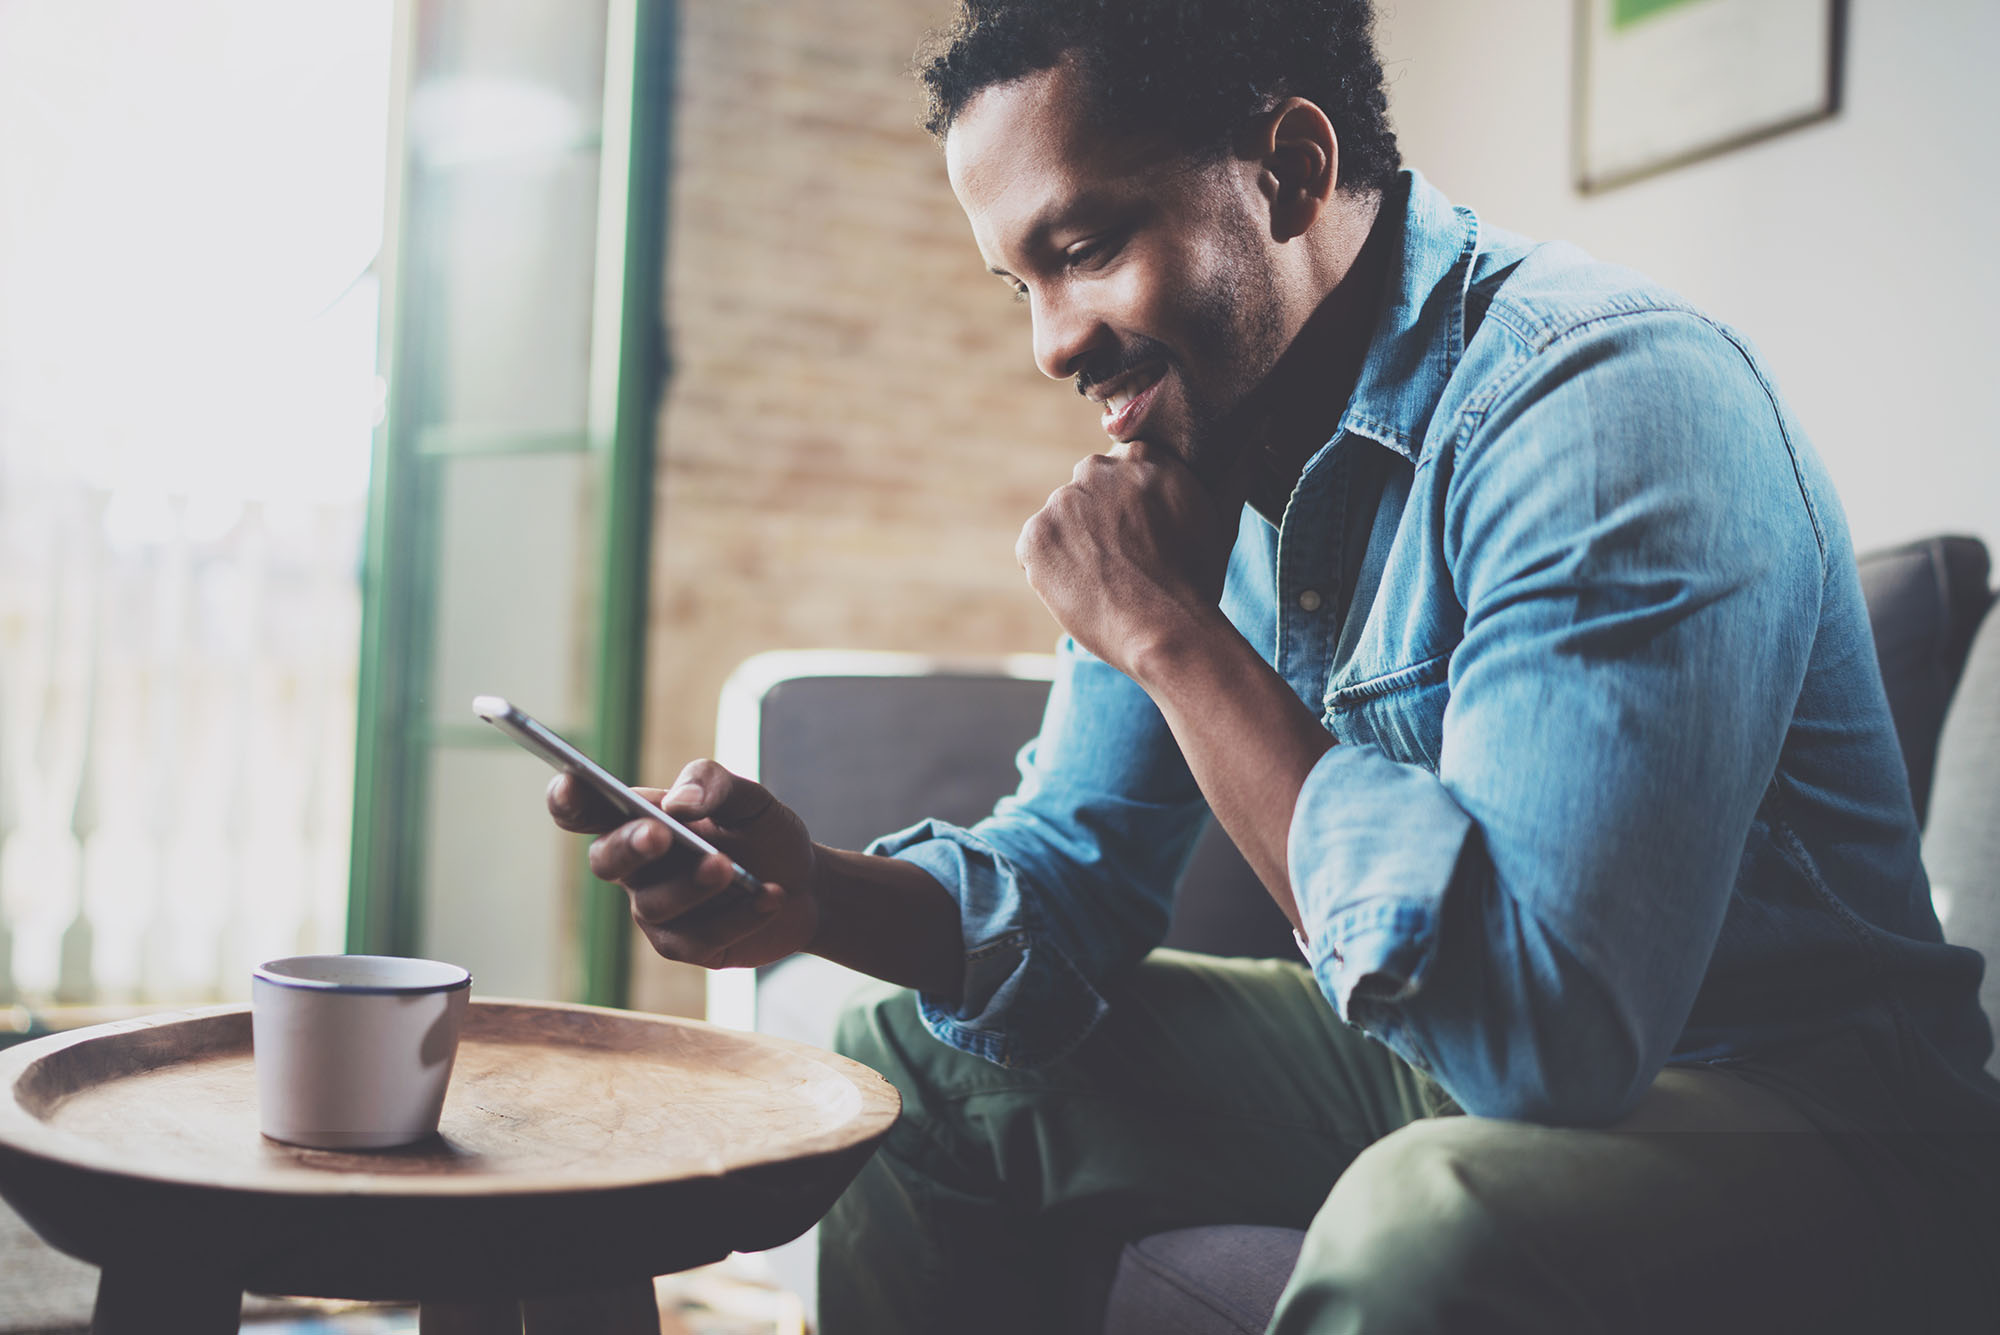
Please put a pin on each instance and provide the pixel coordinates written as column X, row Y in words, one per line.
column 579, row 1147
column 542, row 1098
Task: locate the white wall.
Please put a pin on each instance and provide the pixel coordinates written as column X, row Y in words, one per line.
column 1858, row 253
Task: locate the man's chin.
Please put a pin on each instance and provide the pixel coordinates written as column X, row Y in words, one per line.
column 1210, row 459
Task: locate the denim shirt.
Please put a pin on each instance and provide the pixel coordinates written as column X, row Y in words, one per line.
column 1615, row 781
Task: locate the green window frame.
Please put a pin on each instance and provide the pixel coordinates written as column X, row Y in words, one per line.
column 398, row 733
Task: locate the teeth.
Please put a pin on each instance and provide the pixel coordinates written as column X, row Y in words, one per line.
column 1122, row 399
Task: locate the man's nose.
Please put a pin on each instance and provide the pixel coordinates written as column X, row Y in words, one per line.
column 1066, row 333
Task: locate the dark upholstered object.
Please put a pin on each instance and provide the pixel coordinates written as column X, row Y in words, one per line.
column 971, row 724
column 1924, row 602
column 1222, row 908
column 1962, row 838
column 1202, row 1281
column 908, row 747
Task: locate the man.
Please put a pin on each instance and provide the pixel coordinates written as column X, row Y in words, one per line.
column 1496, row 606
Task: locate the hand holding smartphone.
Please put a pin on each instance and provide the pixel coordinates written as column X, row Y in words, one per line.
column 538, row 738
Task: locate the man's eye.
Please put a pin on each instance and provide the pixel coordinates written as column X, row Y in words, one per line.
column 1020, row 291
column 1094, row 251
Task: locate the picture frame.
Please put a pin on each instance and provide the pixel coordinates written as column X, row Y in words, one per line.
column 1662, row 83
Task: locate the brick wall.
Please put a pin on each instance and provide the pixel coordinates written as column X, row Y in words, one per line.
column 854, row 432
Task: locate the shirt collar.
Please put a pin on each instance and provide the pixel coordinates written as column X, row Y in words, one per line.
column 1421, row 332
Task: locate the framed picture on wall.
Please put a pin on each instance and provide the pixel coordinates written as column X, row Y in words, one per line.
column 1660, row 83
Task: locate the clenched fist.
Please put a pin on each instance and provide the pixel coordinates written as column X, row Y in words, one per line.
column 1129, row 556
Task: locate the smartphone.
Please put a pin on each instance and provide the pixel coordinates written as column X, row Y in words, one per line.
column 537, row 737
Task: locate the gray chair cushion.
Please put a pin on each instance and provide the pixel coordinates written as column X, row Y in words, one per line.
column 858, row 756
column 1223, row 1280
column 1222, row 908
column 1925, row 600
column 1962, row 838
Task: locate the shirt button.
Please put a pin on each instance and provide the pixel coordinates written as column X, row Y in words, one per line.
column 1309, row 600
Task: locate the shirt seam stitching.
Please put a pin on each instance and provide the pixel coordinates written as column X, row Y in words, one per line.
column 1508, row 379
column 1388, row 683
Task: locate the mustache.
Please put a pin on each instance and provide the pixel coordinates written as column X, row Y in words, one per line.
column 1114, row 362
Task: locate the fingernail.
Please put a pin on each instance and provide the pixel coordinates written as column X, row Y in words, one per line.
column 652, row 838
column 687, row 792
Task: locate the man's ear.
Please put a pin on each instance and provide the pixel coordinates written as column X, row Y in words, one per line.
column 1298, row 157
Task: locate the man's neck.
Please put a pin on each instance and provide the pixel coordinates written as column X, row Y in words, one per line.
column 1309, row 388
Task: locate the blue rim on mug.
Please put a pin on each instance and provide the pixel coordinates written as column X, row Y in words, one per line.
column 272, row 972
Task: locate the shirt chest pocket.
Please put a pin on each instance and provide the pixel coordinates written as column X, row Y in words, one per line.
column 1402, row 712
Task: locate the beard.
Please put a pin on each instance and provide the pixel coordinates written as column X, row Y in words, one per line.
column 1235, row 335
column 1239, row 331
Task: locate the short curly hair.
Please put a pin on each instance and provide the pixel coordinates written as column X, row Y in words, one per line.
column 1197, row 70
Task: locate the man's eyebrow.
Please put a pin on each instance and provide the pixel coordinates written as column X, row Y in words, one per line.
column 1053, row 216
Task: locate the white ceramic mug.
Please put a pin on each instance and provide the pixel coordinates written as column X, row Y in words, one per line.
column 353, row 1052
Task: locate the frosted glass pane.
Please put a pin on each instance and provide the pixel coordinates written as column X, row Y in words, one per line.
column 515, row 601
column 509, row 253
column 504, row 121
column 558, row 43
column 498, row 874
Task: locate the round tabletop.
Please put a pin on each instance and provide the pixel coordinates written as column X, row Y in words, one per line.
column 578, row 1146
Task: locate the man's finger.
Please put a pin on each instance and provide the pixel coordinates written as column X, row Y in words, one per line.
column 630, row 852
column 706, row 934
column 578, row 808
column 692, row 889
column 705, row 788
column 581, row 809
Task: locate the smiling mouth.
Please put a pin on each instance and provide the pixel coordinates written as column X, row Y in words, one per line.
column 1131, row 396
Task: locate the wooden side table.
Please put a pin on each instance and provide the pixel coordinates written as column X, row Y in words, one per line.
column 582, row 1151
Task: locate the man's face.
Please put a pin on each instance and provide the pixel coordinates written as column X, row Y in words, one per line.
column 1147, row 272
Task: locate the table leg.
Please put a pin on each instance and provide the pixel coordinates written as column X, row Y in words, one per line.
column 499, row 1317
column 629, row 1309
column 131, row 1301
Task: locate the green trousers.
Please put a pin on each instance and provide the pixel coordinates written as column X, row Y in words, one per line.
column 1227, row 1091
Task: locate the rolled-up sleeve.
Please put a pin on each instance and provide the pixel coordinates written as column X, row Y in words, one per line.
column 1640, row 571
column 1071, row 877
